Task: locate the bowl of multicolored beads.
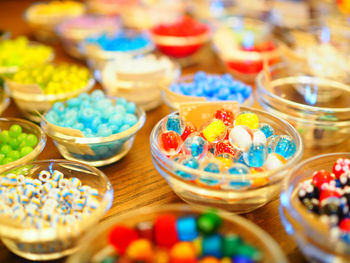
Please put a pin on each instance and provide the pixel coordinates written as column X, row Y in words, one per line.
column 47, row 205
column 304, row 101
column 103, row 48
column 178, row 233
column 93, row 129
column 34, row 90
column 314, row 207
column 206, row 87
column 140, row 79
column 76, row 30
column 44, row 17
column 21, row 142
column 234, row 161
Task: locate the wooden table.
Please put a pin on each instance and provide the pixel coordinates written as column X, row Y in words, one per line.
column 136, row 182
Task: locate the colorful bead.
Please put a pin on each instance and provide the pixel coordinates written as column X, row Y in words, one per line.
column 165, row 230
column 214, row 131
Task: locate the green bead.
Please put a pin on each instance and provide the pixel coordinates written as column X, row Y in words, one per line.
column 230, row 243
column 209, row 222
column 25, row 150
column 15, row 155
column 14, row 143
column 249, row 251
column 7, row 160
column 2, row 157
column 22, row 137
column 5, row 149
column 15, row 130
column 31, row 140
column 4, row 136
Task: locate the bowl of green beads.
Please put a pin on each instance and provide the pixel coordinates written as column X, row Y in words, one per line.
column 20, row 52
column 36, row 89
column 21, row 142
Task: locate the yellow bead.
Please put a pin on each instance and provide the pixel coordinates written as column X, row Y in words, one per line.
column 215, row 131
column 225, row 260
column 227, row 162
column 183, row 250
column 140, row 250
column 248, row 119
column 197, row 243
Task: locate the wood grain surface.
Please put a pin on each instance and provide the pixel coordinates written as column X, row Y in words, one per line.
column 136, row 182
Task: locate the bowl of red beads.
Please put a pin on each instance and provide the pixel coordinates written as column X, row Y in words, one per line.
column 314, row 207
column 244, row 45
column 21, row 142
column 178, row 233
column 233, row 161
column 181, row 38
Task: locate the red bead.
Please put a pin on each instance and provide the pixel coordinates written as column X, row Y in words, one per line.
column 189, row 128
column 170, row 141
column 225, row 147
column 121, row 237
column 320, row 177
column 165, row 230
column 327, row 193
column 226, row 116
column 345, row 225
column 341, row 166
column 145, row 230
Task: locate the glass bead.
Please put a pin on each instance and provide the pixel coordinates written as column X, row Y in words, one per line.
column 241, row 137
column 248, row 119
column 169, row 142
column 283, row 145
column 259, row 137
column 15, row 130
column 195, row 146
column 214, row 131
column 266, row 129
column 173, row 123
column 256, row 155
column 274, row 161
column 31, row 140
column 4, row 136
column 238, row 169
column 25, row 150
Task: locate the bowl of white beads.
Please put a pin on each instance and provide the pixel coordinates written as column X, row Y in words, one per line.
column 47, row 205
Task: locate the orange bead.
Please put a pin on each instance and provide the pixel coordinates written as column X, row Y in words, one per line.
column 209, row 260
column 161, row 256
column 140, row 250
column 260, row 181
column 226, row 260
column 183, row 250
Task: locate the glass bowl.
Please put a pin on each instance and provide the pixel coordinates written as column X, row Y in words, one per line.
column 245, row 64
column 317, row 107
column 95, row 151
column 109, row 7
column 33, row 105
column 27, row 127
column 56, row 242
column 313, row 237
column 263, row 186
column 173, row 99
column 4, row 97
column 211, row 9
column 43, row 24
column 142, row 89
column 96, row 242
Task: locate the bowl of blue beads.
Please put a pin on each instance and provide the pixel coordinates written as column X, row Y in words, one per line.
column 207, row 87
column 47, row 205
column 94, row 129
column 103, row 48
column 314, row 207
column 178, row 233
column 234, row 161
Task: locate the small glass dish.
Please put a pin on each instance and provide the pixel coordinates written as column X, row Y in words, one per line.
column 314, row 238
column 142, row 89
column 95, row 244
column 52, row 243
column 95, row 151
column 33, row 105
column 173, row 99
column 245, row 63
column 263, row 187
column 27, row 127
column 4, row 97
column 317, row 107
column 43, row 24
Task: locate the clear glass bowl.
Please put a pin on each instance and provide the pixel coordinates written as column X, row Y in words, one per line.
column 141, row 89
column 222, row 195
column 244, row 64
column 96, row 241
column 52, row 243
column 33, row 105
column 4, row 99
column 173, row 99
column 96, row 151
column 313, row 236
column 27, row 127
column 109, row 7
column 211, row 9
column 318, row 108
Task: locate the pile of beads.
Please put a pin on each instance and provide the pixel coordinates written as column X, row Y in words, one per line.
column 15, row 144
column 327, row 194
column 95, row 115
column 227, row 144
column 47, row 201
column 20, row 52
column 214, row 87
column 174, row 239
column 53, row 79
column 65, row 9
column 122, row 41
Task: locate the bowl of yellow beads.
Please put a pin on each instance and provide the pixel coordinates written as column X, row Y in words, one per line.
column 44, row 17
column 34, row 90
column 21, row 142
column 59, row 201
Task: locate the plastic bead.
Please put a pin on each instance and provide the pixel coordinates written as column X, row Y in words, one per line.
column 214, row 131
column 165, row 230
column 211, row 245
column 248, row 119
column 195, row 146
column 121, row 237
column 187, row 228
column 209, row 222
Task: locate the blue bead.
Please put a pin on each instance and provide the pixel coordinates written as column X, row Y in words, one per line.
column 256, row 155
column 79, row 126
column 191, row 163
column 211, row 245
column 285, row 146
column 199, row 76
column 87, row 114
column 223, row 93
column 130, row 119
column 238, row 169
column 83, row 96
column 174, row 124
column 97, row 95
column 108, row 113
column 58, row 107
column 267, row 129
column 194, row 145
column 104, row 131
column 187, row 228
column 212, row 168
column 124, row 128
column 227, row 78
column 130, row 107
column 74, row 102
column 117, row 120
column 241, row 259
column 122, row 101
column 120, row 109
